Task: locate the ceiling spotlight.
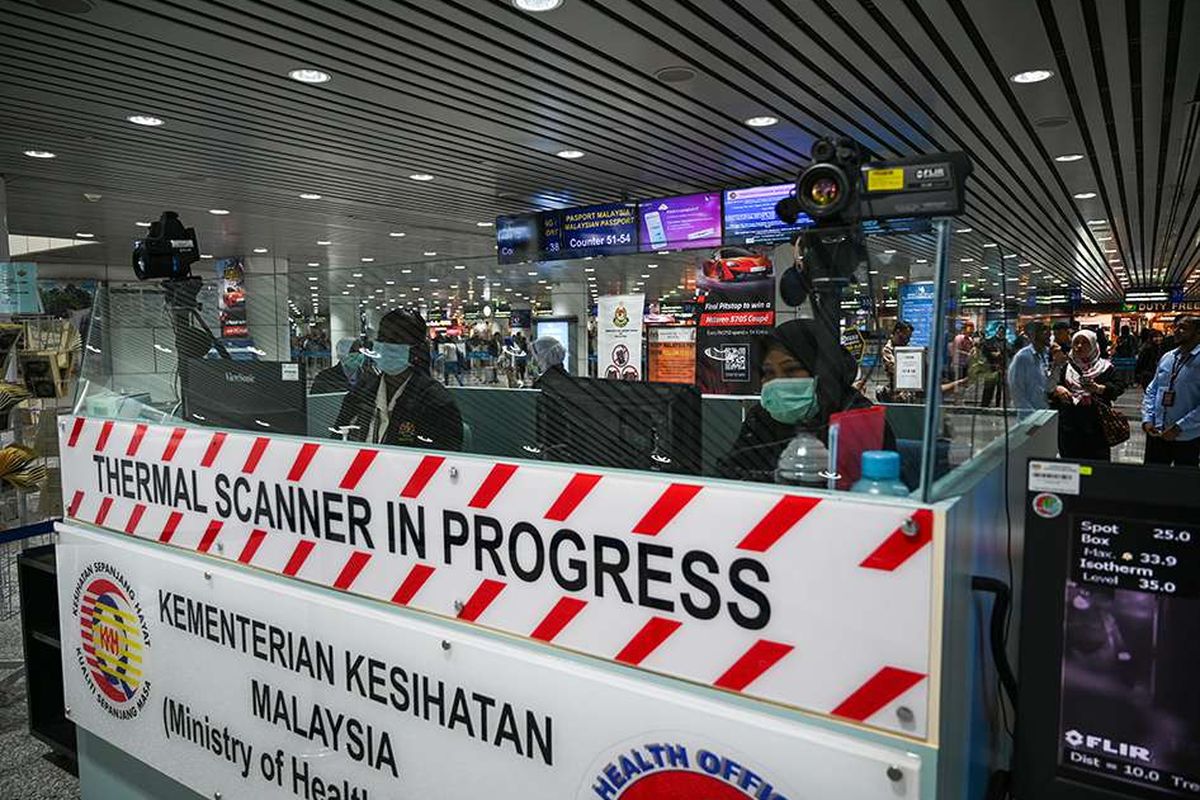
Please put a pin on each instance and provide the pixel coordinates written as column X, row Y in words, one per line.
column 531, row 274
column 430, row 253
column 313, row 264
column 989, row 244
column 144, row 119
column 310, row 196
column 963, row 230
column 1032, row 76
column 390, row 283
column 421, row 176
column 570, row 154
column 85, row 235
column 309, row 76
column 765, row 121
column 1067, row 157
column 537, row 6
column 406, row 271
column 484, row 224
column 397, row 234
column 366, row 259
column 356, row 275
column 40, row 154
column 460, row 266
column 220, row 212
column 260, row 250
column 889, row 252
column 206, row 255
column 1084, row 195
column 142, row 224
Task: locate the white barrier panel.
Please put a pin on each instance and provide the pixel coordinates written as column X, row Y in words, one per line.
column 820, row 604
column 229, row 683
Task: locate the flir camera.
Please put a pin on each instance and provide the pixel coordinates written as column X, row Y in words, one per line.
column 168, row 252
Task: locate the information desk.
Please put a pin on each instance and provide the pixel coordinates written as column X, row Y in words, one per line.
column 404, row 623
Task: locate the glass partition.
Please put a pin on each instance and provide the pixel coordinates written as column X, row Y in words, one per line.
column 706, row 363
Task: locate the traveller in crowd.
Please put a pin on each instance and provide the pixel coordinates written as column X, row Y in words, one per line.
column 1171, row 405
column 521, row 359
column 399, row 403
column 342, row 376
column 1088, row 383
column 451, row 360
column 960, row 351
column 994, row 351
column 806, row 377
column 1149, row 352
column 1126, row 344
column 1029, row 371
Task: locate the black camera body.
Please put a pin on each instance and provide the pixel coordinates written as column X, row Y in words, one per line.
column 167, row 252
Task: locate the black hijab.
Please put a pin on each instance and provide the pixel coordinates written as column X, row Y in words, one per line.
column 822, row 355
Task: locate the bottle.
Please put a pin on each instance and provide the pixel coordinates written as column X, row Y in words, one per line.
column 802, row 462
column 881, row 474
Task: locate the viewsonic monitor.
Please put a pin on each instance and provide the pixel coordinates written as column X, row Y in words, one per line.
column 261, row 396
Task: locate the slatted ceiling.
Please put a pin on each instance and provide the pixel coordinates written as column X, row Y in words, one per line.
column 482, row 95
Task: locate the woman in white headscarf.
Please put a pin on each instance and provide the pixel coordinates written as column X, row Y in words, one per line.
column 1087, row 382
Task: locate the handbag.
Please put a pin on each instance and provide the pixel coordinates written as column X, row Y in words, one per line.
column 1113, row 423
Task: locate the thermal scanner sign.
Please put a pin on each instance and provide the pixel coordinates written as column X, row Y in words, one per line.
column 709, row 582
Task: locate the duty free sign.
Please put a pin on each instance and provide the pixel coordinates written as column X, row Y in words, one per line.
column 822, row 604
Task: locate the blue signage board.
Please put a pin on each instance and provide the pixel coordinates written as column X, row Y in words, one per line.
column 601, row 230
column 916, row 307
column 750, row 217
column 19, row 289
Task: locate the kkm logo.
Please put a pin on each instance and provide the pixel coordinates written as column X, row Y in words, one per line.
column 678, row 770
column 114, row 641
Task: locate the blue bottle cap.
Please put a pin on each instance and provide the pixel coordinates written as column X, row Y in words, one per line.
column 881, row 465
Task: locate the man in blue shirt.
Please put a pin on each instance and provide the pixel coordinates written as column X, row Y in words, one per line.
column 1029, row 371
column 1171, row 406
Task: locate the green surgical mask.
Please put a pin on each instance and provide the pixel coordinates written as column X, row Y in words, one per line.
column 790, row 400
column 353, row 362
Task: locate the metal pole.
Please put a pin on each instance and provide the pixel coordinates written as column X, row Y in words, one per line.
column 937, row 356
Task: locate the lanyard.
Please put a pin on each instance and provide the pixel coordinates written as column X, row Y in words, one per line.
column 1178, row 366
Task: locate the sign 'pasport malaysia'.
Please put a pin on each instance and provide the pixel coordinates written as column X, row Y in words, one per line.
column 819, row 604
column 253, row 689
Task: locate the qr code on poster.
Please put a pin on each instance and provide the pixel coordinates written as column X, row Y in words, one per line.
column 736, row 365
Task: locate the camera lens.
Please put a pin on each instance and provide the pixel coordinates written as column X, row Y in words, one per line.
column 824, row 192
column 823, row 150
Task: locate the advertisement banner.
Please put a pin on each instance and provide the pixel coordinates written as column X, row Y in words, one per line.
column 711, row 582
column 619, row 336
column 672, row 355
column 738, row 310
column 231, row 289
column 19, row 288
column 692, row 220
column 306, row 695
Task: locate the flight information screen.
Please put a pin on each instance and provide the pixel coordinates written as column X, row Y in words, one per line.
column 1130, row 700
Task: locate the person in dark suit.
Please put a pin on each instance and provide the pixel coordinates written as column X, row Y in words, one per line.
column 398, row 402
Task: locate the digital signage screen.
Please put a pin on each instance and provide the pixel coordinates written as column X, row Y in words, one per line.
column 688, row 221
column 601, row 230
column 517, row 238
column 750, row 215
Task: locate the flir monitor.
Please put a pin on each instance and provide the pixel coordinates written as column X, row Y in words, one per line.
column 262, row 396
column 1110, row 633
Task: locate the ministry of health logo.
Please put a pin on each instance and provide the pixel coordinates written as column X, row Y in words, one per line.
column 114, row 642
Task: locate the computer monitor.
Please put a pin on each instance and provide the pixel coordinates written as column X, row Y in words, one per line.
column 626, row 424
column 263, row 396
column 1110, row 633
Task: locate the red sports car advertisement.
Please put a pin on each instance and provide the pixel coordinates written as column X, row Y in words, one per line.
column 231, row 285
column 737, row 287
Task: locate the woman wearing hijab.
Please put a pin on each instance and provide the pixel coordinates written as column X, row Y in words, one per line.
column 806, row 376
column 1087, row 381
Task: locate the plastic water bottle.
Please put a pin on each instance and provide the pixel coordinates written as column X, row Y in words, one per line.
column 802, row 462
column 881, row 474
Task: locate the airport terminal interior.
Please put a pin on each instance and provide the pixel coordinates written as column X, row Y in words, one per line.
column 617, row 399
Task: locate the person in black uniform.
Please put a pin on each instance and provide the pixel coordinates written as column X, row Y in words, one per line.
column 398, row 402
column 800, row 349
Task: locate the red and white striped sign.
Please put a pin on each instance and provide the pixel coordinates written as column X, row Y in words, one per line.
column 823, row 604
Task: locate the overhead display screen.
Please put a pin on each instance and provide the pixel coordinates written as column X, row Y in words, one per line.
column 517, row 238
column 1130, row 710
column 688, row 221
column 601, row 230
column 750, row 215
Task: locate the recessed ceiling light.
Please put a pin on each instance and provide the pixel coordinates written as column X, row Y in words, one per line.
column 537, row 6
column 397, row 234
column 79, row 235
column 922, row 261
column 966, row 259
column 324, row 242
column 345, row 292
column 484, row 224
column 570, row 154
column 40, row 154
column 1084, row 195
column 1097, row 222
column 366, row 259
column 313, row 264
column 989, row 244
column 220, row 212
column 350, row 285
column 145, row 119
column 1023, row 264
column 889, row 252
column 406, row 271
column 309, row 76
column 531, row 274
column 433, row 280
column 430, row 253
column 206, row 255
column 310, row 196
column 421, row 176
column 260, row 250
column 460, row 266
column 1032, row 76
column 142, row 224
column 1066, row 157
column 390, row 283
column 356, row 275
column 764, row 121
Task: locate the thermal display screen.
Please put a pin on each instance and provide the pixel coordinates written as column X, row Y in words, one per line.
column 750, row 215
column 1130, row 699
column 688, row 221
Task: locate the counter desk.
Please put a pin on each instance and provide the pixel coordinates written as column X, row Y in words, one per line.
column 249, row 616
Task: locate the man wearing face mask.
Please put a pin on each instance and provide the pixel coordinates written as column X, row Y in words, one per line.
column 342, row 376
column 399, row 402
column 806, row 376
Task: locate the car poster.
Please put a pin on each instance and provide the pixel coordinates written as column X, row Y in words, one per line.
column 231, row 284
column 738, row 289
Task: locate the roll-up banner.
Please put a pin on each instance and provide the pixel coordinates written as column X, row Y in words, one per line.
column 619, row 336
